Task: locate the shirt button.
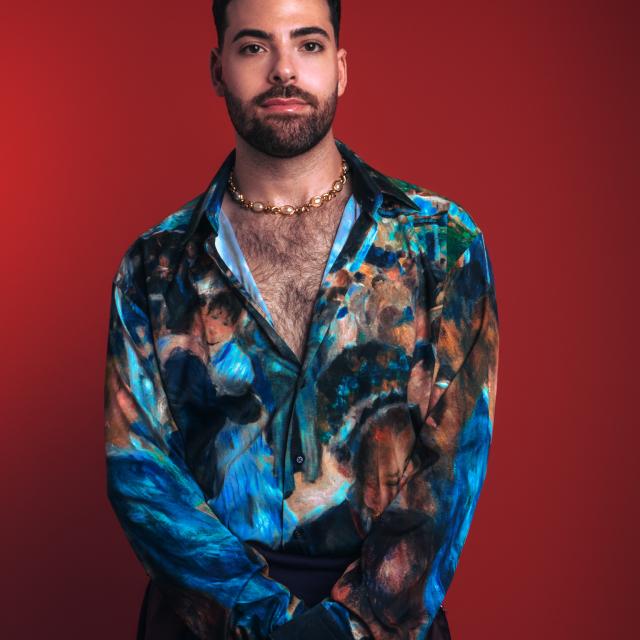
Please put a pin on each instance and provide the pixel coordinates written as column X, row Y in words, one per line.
column 299, row 459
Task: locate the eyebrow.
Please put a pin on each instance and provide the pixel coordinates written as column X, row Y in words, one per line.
column 296, row 33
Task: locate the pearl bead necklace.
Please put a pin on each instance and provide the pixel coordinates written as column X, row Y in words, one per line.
column 287, row 209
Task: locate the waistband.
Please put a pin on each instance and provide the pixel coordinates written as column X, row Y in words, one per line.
column 309, row 577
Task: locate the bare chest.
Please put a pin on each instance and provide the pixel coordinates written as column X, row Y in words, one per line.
column 287, row 258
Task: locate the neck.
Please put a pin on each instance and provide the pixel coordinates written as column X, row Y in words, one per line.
column 286, row 180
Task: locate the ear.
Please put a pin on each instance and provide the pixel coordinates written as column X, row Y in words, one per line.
column 342, row 71
column 215, row 68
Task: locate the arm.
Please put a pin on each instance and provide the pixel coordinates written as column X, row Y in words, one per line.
column 411, row 551
column 213, row 579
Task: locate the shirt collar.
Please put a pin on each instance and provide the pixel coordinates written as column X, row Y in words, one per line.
column 369, row 185
column 370, row 188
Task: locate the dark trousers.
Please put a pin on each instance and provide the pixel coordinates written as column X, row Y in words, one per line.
column 309, row 578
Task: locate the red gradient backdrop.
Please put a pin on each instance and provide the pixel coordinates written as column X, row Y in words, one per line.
column 526, row 113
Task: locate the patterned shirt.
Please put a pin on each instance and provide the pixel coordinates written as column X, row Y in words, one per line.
column 375, row 445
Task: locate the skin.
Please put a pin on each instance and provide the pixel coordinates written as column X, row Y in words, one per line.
column 250, row 66
column 218, row 326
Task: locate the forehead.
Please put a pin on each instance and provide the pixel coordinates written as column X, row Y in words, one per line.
column 277, row 15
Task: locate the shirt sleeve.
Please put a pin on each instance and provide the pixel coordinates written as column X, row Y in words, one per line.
column 409, row 556
column 213, row 580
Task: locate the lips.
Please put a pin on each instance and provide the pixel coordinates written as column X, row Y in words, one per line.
column 283, row 102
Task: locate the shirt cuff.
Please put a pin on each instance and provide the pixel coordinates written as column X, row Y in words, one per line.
column 314, row 624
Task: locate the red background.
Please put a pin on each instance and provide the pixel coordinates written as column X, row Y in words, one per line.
column 525, row 113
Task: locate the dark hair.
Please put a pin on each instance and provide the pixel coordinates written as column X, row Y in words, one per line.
column 219, row 9
column 226, row 301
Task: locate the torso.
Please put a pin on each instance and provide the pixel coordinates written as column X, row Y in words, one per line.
column 287, row 257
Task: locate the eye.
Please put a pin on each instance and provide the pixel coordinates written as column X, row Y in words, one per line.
column 250, row 49
column 312, row 47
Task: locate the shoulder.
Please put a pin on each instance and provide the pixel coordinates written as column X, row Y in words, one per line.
column 443, row 233
column 162, row 240
column 440, row 226
column 177, row 222
column 421, row 207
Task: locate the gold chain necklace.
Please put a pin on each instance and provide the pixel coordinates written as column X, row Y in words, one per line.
column 287, row 209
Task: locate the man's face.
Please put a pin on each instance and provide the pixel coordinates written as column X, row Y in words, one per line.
column 280, row 73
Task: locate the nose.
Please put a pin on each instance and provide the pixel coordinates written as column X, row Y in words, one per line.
column 283, row 70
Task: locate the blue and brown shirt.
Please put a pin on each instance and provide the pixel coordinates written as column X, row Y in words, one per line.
column 222, row 446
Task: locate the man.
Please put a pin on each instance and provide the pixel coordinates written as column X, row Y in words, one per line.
column 301, row 369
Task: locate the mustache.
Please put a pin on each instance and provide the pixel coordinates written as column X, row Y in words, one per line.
column 290, row 91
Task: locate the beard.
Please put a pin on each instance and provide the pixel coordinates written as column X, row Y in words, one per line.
column 282, row 135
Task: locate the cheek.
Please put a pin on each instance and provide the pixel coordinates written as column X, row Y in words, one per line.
column 224, row 330
column 211, row 326
column 324, row 84
column 246, row 78
column 316, row 74
column 371, row 496
column 217, row 327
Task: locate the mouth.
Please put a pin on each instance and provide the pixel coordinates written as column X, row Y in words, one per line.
column 284, row 105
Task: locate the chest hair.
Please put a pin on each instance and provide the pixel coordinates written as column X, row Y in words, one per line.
column 287, row 257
